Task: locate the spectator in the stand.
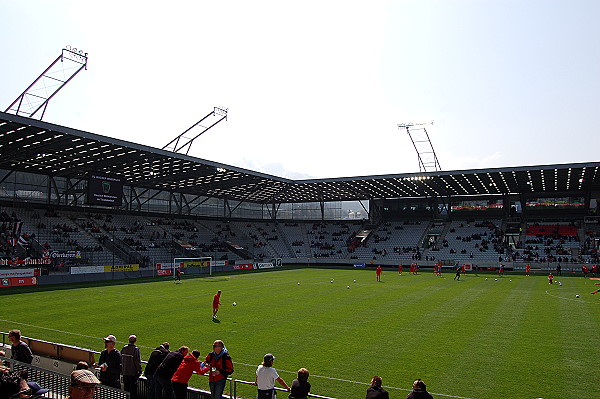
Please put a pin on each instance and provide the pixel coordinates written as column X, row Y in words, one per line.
column 81, row 365
column 165, row 372
column 375, row 391
column 300, row 386
column 110, row 363
column 12, row 384
column 188, row 366
column 221, row 366
column 155, row 359
column 266, row 376
column 132, row 366
column 19, row 349
column 83, row 385
column 419, row 391
column 36, row 390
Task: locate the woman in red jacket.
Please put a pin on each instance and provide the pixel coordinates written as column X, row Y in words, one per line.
column 188, row 366
column 221, row 367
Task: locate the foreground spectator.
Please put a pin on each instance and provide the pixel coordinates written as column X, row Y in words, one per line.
column 156, row 358
column 110, row 363
column 266, row 376
column 221, row 366
column 36, row 390
column 188, row 366
column 132, row 366
column 12, row 384
column 300, row 386
column 19, row 349
column 375, row 391
column 164, row 373
column 419, row 391
column 83, row 385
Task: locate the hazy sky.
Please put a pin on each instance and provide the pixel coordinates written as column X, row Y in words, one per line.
column 317, row 88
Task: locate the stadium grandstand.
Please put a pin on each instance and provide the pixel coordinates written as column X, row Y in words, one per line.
column 72, row 198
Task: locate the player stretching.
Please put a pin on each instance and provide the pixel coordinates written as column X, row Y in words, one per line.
column 378, row 273
column 216, row 303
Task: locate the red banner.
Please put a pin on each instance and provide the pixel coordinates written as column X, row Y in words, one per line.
column 18, row 281
column 164, row 272
column 243, row 266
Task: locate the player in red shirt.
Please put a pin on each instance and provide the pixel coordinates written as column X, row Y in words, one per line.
column 216, row 303
column 527, row 269
column 550, row 278
column 378, row 273
column 399, row 269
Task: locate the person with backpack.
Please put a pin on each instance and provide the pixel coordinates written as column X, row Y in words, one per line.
column 221, row 367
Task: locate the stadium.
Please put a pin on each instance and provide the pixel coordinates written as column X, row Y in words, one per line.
column 107, row 236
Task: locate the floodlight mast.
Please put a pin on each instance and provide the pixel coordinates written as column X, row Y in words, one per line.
column 219, row 114
column 425, row 152
column 36, row 97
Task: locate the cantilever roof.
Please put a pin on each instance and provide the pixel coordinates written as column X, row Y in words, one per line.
column 34, row 146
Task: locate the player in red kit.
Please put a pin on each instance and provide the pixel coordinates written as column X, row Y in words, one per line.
column 216, row 303
column 378, row 273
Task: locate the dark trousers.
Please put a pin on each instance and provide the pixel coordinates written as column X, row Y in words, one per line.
column 130, row 385
column 162, row 384
column 180, row 389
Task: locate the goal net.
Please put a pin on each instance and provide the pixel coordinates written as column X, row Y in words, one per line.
column 181, row 264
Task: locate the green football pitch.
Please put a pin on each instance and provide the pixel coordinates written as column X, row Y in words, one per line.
column 481, row 337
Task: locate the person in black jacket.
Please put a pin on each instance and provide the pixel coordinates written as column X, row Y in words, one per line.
column 165, row 371
column 156, row 358
column 419, row 391
column 19, row 350
column 110, row 363
column 375, row 391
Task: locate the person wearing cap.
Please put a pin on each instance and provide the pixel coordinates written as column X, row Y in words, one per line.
column 375, row 391
column 19, row 350
column 36, row 390
column 83, row 385
column 132, row 366
column 266, row 376
column 155, row 359
column 110, row 363
column 419, row 391
column 221, row 366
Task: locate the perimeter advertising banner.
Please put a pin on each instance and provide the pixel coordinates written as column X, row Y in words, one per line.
column 18, row 282
column 243, row 266
column 265, row 265
column 9, row 273
column 121, row 268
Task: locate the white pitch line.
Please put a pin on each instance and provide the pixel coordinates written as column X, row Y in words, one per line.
column 237, row 363
column 580, row 300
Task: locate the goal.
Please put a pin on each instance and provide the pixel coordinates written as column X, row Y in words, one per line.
column 201, row 262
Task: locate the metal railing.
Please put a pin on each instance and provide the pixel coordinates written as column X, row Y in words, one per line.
column 235, row 382
column 58, row 383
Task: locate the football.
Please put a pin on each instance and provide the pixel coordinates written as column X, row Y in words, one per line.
column 577, row 296
column 234, row 304
column 348, row 287
column 331, row 281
